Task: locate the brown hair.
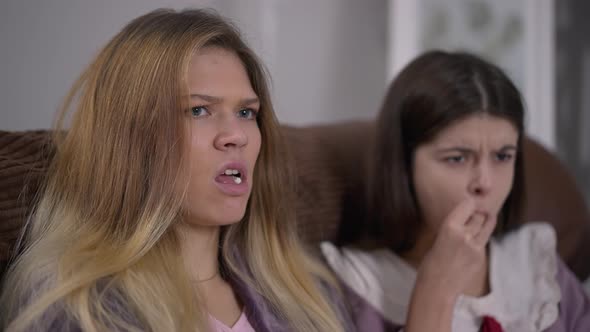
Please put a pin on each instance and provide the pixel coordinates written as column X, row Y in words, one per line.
column 432, row 92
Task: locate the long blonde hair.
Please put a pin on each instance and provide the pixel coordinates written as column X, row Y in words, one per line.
column 99, row 252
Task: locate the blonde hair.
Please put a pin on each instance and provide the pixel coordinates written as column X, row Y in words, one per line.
column 100, row 251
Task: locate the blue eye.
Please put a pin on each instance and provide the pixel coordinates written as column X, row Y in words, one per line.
column 247, row 113
column 199, row 111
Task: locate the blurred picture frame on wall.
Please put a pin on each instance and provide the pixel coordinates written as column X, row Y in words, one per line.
column 516, row 35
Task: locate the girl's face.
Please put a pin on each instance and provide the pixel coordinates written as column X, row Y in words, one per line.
column 472, row 158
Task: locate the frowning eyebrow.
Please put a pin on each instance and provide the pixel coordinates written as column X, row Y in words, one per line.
column 508, row 148
column 217, row 100
column 462, row 149
column 456, row 149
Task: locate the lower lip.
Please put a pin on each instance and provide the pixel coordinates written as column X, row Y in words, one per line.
column 232, row 188
column 483, row 214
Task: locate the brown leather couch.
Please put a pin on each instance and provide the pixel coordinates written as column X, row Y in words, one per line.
column 330, row 165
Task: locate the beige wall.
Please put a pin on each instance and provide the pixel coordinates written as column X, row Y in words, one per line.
column 326, row 58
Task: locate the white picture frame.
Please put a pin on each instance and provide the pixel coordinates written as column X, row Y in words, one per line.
column 517, row 35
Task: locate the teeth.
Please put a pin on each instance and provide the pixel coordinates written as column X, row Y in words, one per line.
column 231, row 172
column 234, row 173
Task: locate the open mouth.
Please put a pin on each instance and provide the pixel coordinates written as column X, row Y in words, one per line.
column 235, row 174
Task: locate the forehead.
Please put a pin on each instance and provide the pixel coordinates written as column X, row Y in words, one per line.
column 213, row 69
column 477, row 129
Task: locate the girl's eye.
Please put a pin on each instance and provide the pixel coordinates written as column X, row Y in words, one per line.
column 247, row 113
column 455, row 159
column 504, row 157
column 199, row 111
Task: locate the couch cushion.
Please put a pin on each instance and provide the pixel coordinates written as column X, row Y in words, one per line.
column 339, row 153
column 330, row 165
column 23, row 162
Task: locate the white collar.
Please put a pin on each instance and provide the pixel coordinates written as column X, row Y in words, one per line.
column 385, row 281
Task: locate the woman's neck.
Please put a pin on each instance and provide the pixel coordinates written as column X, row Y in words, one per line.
column 200, row 250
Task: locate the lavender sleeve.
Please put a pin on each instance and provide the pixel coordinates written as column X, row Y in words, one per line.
column 364, row 316
column 574, row 307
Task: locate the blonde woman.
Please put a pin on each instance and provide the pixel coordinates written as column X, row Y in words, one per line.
column 173, row 140
column 167, row 204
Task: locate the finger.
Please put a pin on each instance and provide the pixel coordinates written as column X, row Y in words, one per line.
column 487, row 229
column 461, row 213
column 475, row 223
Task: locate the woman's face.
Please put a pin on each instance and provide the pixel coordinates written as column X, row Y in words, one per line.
column 472, row 158
column 224, row 138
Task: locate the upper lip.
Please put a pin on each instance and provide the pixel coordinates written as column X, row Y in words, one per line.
column 237, row 165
